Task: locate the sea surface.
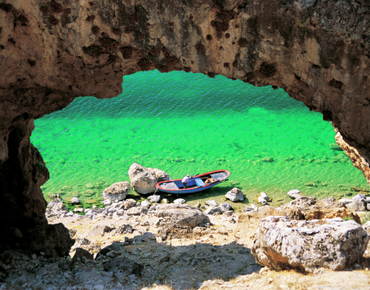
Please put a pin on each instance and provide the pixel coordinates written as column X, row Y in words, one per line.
column 186, row 123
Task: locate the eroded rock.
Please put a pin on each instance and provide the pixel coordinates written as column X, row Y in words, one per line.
column 282, row 243
column 117, row 191
column 235, row 195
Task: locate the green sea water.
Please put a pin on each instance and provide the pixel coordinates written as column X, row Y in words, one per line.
column 189, row 123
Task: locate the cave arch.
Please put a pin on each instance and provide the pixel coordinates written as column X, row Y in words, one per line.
column 52, row 52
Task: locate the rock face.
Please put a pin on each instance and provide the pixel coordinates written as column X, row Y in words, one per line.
column 52, row 52
column 282, row 243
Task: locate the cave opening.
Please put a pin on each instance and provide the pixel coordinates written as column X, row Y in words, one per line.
column 189, row 123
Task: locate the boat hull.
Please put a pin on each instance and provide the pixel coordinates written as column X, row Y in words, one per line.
column 197, row 183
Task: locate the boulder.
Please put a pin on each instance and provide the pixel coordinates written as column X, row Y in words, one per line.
column 123, row 266
column 160, row 175
column 235, row 195
column 294, row 193
column 117, row 191
column 312, row 208
column 357, row 205
column 359, row 196
column 57, row 205
column 143, row 179
column 282, row 243
column 181, row 215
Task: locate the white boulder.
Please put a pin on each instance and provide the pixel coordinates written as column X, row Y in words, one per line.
column 294, row 193
column 235, row 194
column 282, row 243
column 154, row 198
column 179, row 201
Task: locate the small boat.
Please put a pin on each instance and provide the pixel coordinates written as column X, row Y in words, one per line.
column 196, row 183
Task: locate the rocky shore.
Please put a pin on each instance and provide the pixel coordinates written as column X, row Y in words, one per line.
column 154, row 245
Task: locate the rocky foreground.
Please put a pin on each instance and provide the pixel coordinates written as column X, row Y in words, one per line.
column 128, row 245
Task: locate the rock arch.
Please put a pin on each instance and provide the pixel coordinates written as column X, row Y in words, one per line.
column 54, row 51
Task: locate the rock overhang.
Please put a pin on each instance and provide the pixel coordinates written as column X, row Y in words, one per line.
column 54, row 51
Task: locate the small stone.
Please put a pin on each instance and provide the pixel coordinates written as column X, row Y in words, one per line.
column 251, row 208
column 78, row 209
column 68, row 214
column 225, row 207
column 211, row 202
column 145, row 203
column 107, row 202
column 235, row 195
column 213, row 210
column 75, row 200
column 270, row 280
column 98, row 287
column 179, row 201
column 294, row 193
column 264, row 196
column 154, row 198
column 165, row 200
column 262, row 200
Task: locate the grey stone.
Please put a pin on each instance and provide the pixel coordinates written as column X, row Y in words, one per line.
column 82, row 253
column 356, row 205
column 107, row 202
column 100, row 230
column 211, row 202
column 359, row 196
column 181, row 215
column 75, row 200
column 128, row 203
column 294, row 193
column 346, row 200
column 235, row 195
column 250, row 209
column 123, row 265
column 143, row 179
column 225, row 206
column 179, row 201
column 137, row 210
column 282, row 243
column 124, row 229
column 213, row 209
column 154, row 198
column 117, row 191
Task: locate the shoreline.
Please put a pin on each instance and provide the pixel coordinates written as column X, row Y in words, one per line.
column 214, row 255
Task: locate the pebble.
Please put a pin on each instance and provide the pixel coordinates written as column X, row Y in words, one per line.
column 179, row 201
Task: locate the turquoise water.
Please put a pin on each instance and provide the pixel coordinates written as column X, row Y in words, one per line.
column 188, row 123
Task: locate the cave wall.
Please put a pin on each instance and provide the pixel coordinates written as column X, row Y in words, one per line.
column 54, row 51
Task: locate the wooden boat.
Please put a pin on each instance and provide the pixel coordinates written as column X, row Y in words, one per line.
column 197, row 182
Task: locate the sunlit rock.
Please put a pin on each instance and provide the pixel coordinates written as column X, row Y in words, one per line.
column 282, row 243
column 117, row 191
column 235, row 195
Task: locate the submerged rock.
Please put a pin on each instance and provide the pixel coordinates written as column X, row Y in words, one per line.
column 235, row 195
column 117, row 191
column 282, row 243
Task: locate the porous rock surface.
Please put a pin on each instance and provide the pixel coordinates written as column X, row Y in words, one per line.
column 282, row 243
column 54, row 51
column 142, row 179
column 117, row 191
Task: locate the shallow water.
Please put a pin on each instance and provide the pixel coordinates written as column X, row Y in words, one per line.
column 188, row 123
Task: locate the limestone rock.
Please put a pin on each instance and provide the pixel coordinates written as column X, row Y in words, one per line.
column 213, row 210
column 250, row 209
column 312, row 208
column 128, row 203
column 145, row 203
column 282, row 243
column 235, row 195
column 160, row 175
column 225, row 206
column 294, row 193
column 181, row 215
column 117, row 191
column 261, row 200
column 75, row 200
column 154, row 198
column 141, row 179
column 357, row 205
column 100, row 230
column 179, row 201
column 211, row 202
column 359, row 196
